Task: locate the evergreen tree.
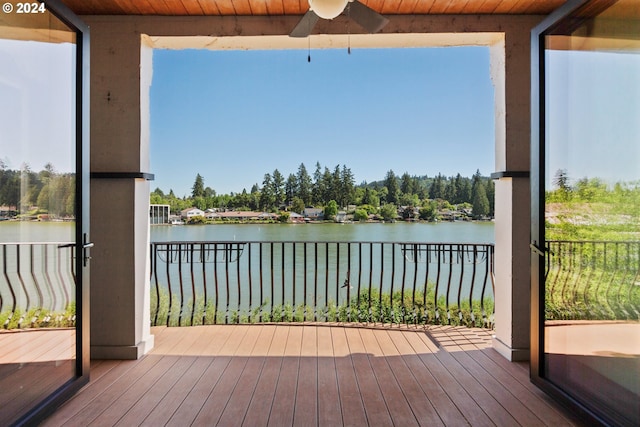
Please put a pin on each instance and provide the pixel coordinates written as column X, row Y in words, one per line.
column 198, row 187
column 318, row 185
column 480, row 201
column 491, row 196
column 465, row 193
column 391, row 182
column 291, row 188
column 450, row 193
column 267, row 197
column 348, row 186
column 336, row 185
column 304, row 185
column 437, row 190
column 407, row 184
column 327, row 186
column 278, row 188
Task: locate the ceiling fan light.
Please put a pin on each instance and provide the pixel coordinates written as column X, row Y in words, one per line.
column 328, row 9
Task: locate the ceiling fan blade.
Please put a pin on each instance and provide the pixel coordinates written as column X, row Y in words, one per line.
column 366, row 17
column 306, row 24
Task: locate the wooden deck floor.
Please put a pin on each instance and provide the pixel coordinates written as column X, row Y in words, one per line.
column 312, row 375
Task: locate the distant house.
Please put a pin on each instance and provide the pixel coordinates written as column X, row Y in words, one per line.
column 313, row 213
column 191, row 212
column 268, row 215
column 211, row 214
column 245, row 215
column 341, row 216
column 296, row 217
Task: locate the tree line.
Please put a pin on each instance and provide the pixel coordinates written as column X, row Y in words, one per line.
column 325, row 187
column 43, row 192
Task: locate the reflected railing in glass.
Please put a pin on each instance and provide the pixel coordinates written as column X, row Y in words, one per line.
column 37, row 285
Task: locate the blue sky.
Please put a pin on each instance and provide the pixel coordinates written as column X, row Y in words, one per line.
column 593, row 117
column 37, row 121
column 233, row 116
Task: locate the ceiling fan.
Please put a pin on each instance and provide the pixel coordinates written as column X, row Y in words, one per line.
column 366, row 17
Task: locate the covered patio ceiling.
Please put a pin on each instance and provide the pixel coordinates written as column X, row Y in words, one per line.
column 299, row 7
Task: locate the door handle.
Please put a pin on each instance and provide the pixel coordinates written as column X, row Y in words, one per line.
column 85, row 247
column 537, row 250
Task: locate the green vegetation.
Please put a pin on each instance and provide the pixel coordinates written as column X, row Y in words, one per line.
column 300, row 190
column 38, row 193
column 367, row 307
column 38, row 318
column 593, row 232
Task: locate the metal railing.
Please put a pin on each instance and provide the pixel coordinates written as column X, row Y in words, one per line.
column 37, row 284
column 368, row 282
column 595, row 280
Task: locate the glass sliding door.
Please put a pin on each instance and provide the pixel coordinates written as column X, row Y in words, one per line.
column 43, row 223
column 586, row 216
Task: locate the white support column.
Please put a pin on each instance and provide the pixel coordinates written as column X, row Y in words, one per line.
column 511, row 75
column 119, row 200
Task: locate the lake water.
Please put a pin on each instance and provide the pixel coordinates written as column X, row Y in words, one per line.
column 443, row 232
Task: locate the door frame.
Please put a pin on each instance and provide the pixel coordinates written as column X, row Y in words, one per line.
column 538, row 172
column 47, row 406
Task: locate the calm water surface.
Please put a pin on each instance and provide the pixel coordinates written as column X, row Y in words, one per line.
column 444, row 232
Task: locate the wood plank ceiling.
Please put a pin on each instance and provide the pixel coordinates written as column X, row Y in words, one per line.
column 299, row 7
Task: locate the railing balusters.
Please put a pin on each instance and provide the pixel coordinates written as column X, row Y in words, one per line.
column 369, row 309
column 315, row 282
column 461, row 252
column 304, row 254
column 293, row 275
column 348, row 283
column 337, row 282
column 435, row 296
column 34, row 278
column 473, row 282
column 262, row 302
column 215, row 279
column 205, row 304
column 47, row 278
column 426, row 280
column 273, row 298
column 326, row 280
column 193, row 283
column 359, row 279
column 251, row 309
column 239, row 286
column 381, row 314
column 415, row 283
column 282, row 277
column 181, row 284
column 288, row 267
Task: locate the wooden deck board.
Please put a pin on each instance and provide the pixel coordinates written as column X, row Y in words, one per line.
column 262, row 397
column 312, row 375
column 372, row 398
column 397, row 404
column 487, row 401
column 420, row 405
column 306, row 407
column 283, row 407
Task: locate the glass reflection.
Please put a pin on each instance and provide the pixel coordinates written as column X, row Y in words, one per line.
column 592, row 211
column 37, row 207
